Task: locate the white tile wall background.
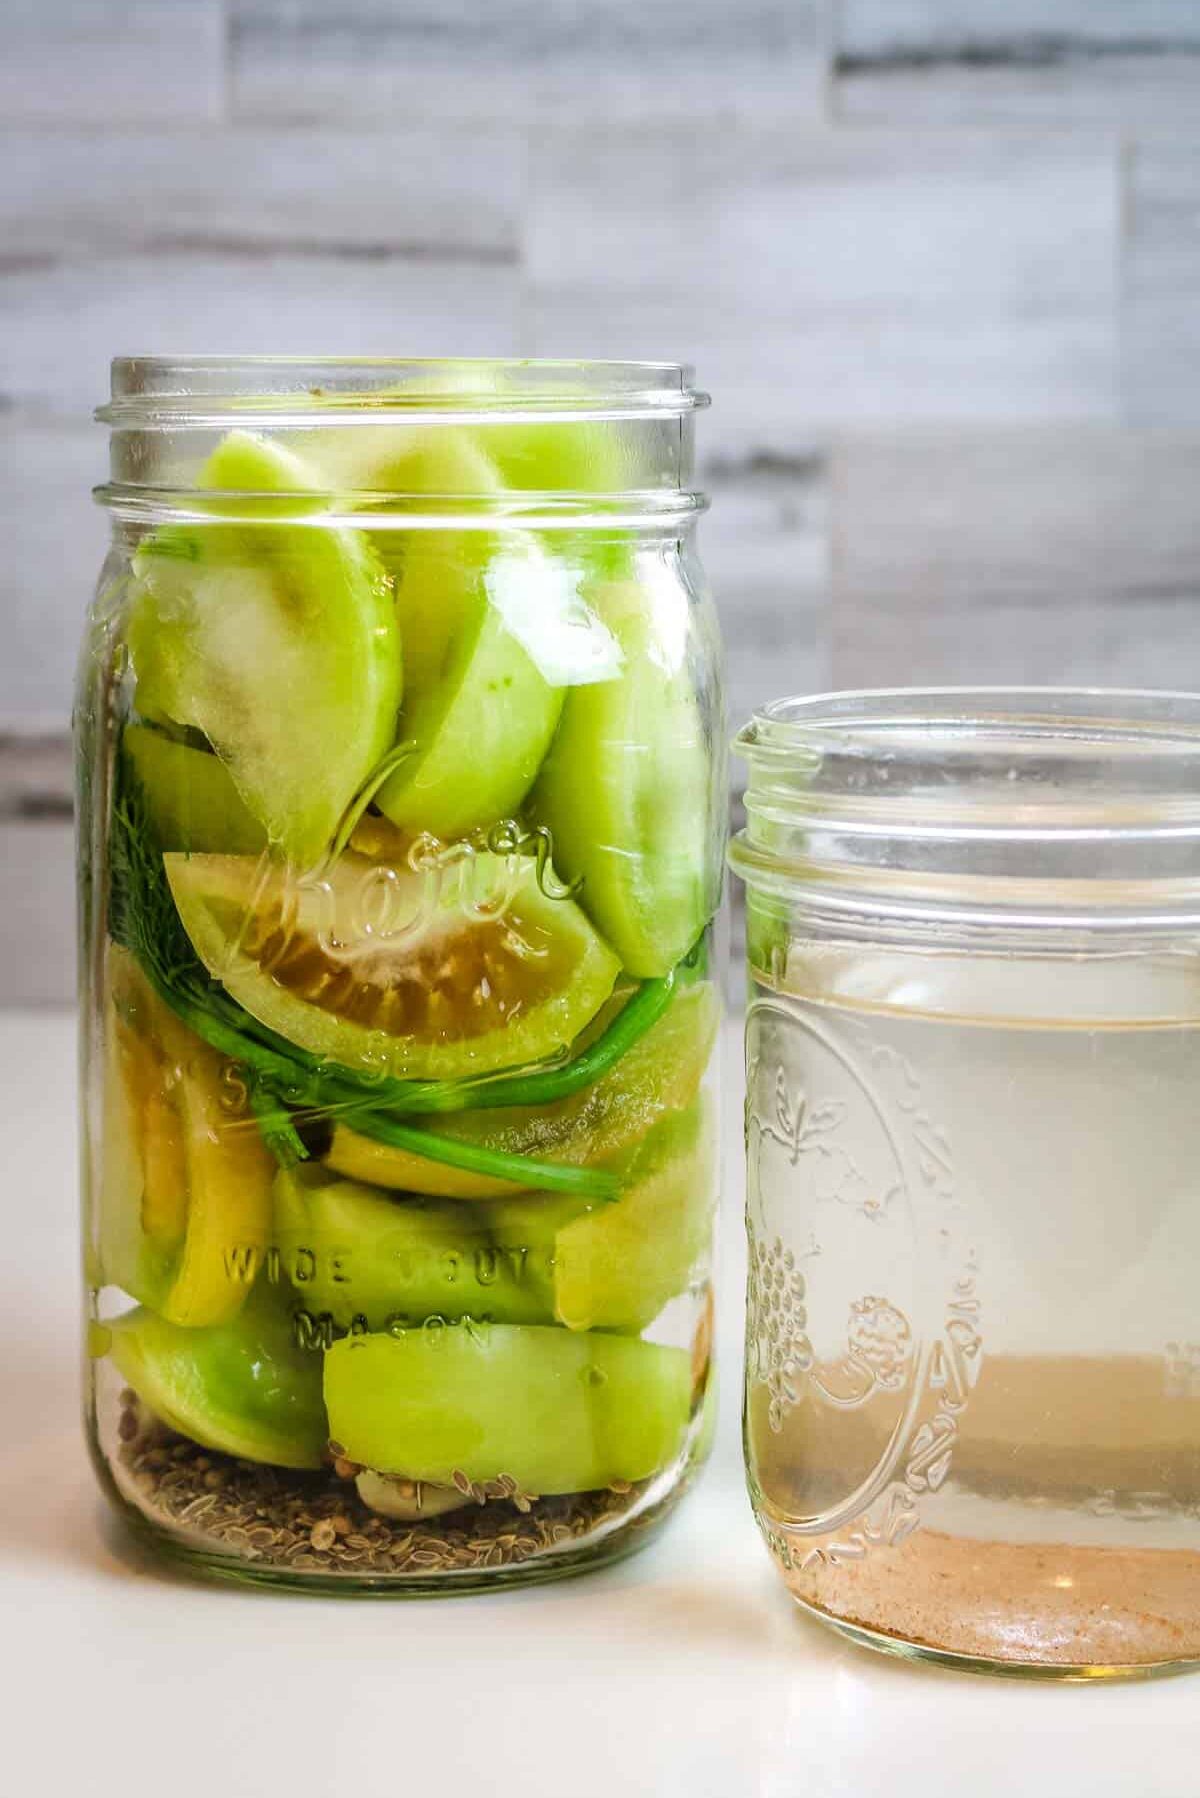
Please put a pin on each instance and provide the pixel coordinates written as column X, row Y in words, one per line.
column 938, row 261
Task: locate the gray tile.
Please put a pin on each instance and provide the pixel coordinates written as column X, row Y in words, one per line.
column 37, row 913
column 1095, row 62
column 36, row 774
column 61, row 324
column 1027, row 30
column 312, row 242
column 1051, row 556
column 54, row 540
column 611, row 62
column 819, row 279
column 1160, row 340
column 765, row 547
column 260, row 192
column 111, row 61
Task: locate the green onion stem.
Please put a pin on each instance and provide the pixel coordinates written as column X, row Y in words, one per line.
column 545, row 1087
column 278, row 1130
column 522, row 1170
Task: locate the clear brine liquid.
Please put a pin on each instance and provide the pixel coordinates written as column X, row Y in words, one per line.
column 974, row 1340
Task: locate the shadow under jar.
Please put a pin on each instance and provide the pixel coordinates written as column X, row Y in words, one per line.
column 402, row 809
column 972, row 1409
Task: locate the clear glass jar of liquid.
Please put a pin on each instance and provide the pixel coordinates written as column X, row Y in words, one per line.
column 972, row 1412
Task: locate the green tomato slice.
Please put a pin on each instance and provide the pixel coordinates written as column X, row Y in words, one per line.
column 360, row 1255
column 626, row 789
column 478, row 712
column 185, row 1186
column 569, row 456
column 243, row 1388
column 548, row 455
column 279, row 642
column 493, row 622
column 557, row 1412
column 616, row 1266
column 459, row 966
column 190, row 796
column 525, row 1228
column 479, row 728
column 660, row 1074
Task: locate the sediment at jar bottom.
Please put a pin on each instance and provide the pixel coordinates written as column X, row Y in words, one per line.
column 1029, row 1603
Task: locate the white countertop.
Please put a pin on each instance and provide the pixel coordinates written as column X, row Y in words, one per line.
column 684, row 1670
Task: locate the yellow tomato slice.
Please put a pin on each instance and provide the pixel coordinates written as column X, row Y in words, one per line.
column 185, row 1206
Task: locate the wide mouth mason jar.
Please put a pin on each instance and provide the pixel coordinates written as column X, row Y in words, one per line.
column 972, row 1407
column 402, row 808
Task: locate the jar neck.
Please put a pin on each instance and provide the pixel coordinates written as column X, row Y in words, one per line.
column 960, row 808
column 560, row 444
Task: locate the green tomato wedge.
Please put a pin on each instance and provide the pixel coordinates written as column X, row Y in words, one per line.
column 616, row 1266
column 570, row 456
column 626, row 787
column 556, row 1412
column 190, row 796
column 547, row 455
column 660, row 1074
column 494, row 624
column 442, row 462
column 185, row 1183
column 461, row 967
column 480, row 724
column 478, row 713
column 556, row 455
column 524, row 1230
column 243, row 1388
column 360, row 1255
column 278, row 641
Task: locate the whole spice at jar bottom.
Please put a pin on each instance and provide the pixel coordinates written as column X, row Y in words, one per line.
column 313, row 1521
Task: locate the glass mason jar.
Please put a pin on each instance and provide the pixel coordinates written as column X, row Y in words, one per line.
column 972, row 1409
column 401, row 830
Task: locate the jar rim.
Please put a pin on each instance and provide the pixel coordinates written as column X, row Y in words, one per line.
column 871, row 720
column 214, row 392
column 1043, row 805
column 167, row 411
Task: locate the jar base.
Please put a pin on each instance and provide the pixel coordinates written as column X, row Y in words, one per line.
column 228, row 1570
column 355, row 1556
column 1062, row 1672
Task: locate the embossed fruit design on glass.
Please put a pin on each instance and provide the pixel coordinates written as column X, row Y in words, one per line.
column 972, row 1411
column 402, row 812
